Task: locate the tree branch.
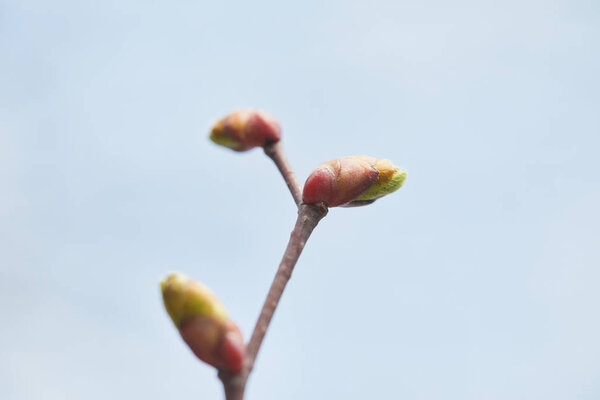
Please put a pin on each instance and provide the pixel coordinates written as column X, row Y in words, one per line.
column 234, row 384
column 309, row 216
column 276, row 153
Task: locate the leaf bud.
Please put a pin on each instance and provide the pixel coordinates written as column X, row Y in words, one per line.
column 243, row 130
column 352, row 181
column 203, row 323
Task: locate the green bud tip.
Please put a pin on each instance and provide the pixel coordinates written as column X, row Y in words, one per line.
column 184, row 298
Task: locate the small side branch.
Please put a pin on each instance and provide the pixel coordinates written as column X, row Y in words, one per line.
column 276, row 153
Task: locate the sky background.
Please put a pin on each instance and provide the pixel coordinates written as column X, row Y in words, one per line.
column 479, row 279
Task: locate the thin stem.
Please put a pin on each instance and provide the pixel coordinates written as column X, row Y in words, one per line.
column 234, row 385
column 276, row 153
column 309, row 216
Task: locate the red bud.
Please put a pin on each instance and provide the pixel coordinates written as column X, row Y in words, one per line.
column 217, row 344
column 337, row 182
column 245, row 129
column 232, row 349
column 203, row 322
column 352, row 181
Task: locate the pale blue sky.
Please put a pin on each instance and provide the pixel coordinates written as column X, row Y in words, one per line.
column 478, row 280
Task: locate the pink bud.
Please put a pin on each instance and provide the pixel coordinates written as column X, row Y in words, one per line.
column 245, row 129
column 203, row 322
column 220, row 345
column 352, row 181
column 340, row 181
column 232, row 349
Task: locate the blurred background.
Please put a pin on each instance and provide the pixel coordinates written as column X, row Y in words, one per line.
column 479, row 279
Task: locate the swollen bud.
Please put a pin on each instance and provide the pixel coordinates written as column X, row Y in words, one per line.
column 203, row 322
column 245, row 129
column 352, row 181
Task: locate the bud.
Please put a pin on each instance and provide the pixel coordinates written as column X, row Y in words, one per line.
column 389, row 180
column 245, row 129
column 203, row 322
column 352, row 181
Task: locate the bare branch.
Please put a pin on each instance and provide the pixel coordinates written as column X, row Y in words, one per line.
column 309, row 216
column 275, row 151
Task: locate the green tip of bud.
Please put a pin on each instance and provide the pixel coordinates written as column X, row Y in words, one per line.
column 390, row 179
column 185, row 298
column 220, row 137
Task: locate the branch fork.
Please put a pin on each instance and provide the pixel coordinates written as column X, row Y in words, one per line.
column 309, row 216
column 347, row 182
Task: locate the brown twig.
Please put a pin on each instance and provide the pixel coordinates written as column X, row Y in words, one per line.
column 234, row 384
column 309, row 216
column 276, row 153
